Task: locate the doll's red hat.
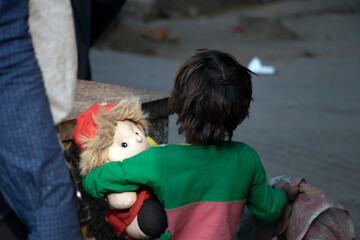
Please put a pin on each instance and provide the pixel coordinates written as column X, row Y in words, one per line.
column 85, row 124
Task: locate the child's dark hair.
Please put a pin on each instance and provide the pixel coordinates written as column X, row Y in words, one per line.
column 211, row 95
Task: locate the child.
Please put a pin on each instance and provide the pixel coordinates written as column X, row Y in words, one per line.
column 205, row 183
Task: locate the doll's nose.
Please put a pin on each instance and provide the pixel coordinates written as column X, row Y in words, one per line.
column 139, row 139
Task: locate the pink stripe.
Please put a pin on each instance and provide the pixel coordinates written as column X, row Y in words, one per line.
column 205, row 220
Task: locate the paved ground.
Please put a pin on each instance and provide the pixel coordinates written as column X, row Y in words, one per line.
column 304, row 119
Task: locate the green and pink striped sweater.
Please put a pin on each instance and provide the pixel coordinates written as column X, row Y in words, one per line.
column 203, row 188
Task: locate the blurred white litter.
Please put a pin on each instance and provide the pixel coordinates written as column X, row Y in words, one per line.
column 256, row 66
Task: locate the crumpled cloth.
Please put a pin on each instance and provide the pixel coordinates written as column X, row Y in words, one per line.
column 313, row 215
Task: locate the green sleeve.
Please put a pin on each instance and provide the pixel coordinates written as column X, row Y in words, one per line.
column 265, row 202
column 122, row 176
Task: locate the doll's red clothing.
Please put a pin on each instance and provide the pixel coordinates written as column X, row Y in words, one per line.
column 119, row 219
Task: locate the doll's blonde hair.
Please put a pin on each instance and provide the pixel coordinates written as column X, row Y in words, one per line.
column 96, row 149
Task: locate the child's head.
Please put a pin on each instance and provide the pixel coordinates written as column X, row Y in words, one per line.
column 211, row 95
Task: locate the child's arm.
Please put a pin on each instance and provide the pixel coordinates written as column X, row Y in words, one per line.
column 265, row 202
column 101, row 181
column 121, row 176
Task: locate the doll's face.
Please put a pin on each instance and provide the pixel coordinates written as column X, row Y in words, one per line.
column 129, row 140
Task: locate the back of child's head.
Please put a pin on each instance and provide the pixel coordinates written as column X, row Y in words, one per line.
column 211, row 95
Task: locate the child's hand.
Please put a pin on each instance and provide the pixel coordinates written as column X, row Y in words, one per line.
column 291, row 192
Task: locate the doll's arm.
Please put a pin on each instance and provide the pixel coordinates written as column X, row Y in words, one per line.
column 122, row 200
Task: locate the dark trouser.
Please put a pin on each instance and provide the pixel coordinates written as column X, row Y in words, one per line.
column 253, row 228
column 11, row 228
column 91, row 18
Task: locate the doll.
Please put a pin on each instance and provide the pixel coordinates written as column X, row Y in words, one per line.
column 107, row 133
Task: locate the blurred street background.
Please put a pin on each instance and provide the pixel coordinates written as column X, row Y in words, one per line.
column 305, row 118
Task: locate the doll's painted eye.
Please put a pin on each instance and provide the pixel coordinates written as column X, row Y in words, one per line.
column 124, row 144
